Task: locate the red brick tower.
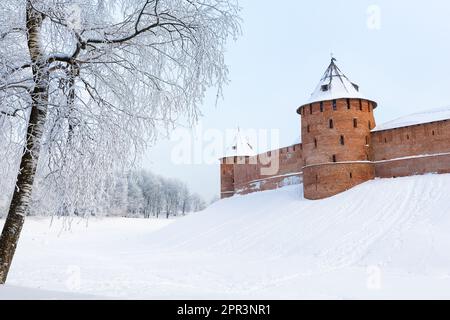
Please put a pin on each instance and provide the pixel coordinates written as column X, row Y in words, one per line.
column 236, row 155
column 336, row 124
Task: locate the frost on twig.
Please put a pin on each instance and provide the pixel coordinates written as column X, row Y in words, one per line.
column 121, row 73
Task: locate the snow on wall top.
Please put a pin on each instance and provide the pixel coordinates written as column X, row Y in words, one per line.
column 241, row 147
column 416, row 118
column 335, row 85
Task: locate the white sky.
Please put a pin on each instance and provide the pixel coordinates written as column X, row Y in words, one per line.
column 286, row 45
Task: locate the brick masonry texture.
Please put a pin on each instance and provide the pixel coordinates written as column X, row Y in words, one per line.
column 324, row 181
column 339, row 151
column 265, row 171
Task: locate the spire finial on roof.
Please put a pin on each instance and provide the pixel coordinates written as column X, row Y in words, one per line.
column 333, row 59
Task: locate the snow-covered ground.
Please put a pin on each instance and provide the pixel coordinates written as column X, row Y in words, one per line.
column 387, row 238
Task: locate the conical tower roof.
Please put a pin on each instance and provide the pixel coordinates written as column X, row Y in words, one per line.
column 334, row 84
column 241, row 147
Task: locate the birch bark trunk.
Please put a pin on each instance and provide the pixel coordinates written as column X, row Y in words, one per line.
column 39, row 101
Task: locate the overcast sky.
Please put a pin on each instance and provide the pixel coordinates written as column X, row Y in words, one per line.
column 397, row 51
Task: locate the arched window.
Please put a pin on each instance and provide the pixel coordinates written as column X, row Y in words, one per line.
column 331, row 124
column 351, row 175
column 367, row 140
column 360, row 104
column 321, row 106
column 310, row 109
column 307, row 128
column 334, row 158
column 342, row 140
column 315, row 143
column 355, row 123
column 348, row 104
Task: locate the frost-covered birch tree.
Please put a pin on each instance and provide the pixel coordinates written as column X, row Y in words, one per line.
column 84, row 84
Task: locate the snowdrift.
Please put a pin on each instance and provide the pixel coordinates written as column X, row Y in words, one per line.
column 387, row 238
column 392, row 222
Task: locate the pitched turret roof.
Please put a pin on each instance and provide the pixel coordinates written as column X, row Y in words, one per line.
column 240, row 147
column 334, row 84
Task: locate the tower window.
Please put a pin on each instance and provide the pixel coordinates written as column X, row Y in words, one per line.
column 370, row 125
column 407, row 137
column 342, row 140
column 348, row 104
column 360, row 104
column 321, row 106
column 331, row 124
column 385, row 140
column 315, row 143
column 334, row 158
column 351, row 175
column 310, row 109
column 367, row 140
column 334, row 105
column 355, row 123
column 307, row 128
column 432, row 132
column 325, row 87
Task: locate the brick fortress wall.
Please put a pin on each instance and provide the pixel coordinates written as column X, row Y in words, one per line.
column 266, row 171
column 398, row 152
column 412, row 150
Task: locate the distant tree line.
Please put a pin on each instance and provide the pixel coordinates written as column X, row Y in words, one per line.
column 144, row 194
column 138, row 194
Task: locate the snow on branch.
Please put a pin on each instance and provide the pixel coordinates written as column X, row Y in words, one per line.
column 120, row 73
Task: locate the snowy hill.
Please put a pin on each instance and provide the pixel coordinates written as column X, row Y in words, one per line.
column 387, row 238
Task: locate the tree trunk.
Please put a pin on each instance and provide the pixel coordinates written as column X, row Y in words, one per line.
column 22, row 192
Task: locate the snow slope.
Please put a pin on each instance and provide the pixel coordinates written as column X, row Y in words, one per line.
column 387, row 238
